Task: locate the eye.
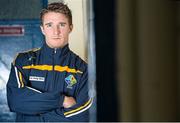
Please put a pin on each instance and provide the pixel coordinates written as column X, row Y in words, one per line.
column 48, row 25
column 62, row 24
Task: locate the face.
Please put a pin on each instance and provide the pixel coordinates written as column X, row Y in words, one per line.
column 56, row 29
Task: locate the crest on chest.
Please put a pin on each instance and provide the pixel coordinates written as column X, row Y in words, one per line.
column 70, row 81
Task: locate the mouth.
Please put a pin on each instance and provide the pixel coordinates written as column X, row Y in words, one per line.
column 56, row 38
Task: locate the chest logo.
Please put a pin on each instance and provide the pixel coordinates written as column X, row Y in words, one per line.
column 70, row 80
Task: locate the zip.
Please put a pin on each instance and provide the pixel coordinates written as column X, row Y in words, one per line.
column 55, row 50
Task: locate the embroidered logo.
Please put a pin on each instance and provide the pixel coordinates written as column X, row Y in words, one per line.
column 70, row 80
column 36, row 78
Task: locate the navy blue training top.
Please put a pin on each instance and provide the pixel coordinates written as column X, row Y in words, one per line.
column 39, row 80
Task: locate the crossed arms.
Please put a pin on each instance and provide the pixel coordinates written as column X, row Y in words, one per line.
column 30, row 101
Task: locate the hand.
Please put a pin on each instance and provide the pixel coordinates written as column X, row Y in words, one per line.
column 68, row 102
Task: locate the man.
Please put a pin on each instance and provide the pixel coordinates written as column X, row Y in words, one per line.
column 51, row 83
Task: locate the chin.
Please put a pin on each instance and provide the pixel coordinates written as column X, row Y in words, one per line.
column 59, row 46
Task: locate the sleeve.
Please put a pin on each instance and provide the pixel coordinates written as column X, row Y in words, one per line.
column 79, row 112
column 27, row 100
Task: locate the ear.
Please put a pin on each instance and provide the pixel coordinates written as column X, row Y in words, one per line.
column 71, row 28
column 42, row 30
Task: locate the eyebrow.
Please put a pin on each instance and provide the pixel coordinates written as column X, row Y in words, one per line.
column 48, row 23
column 51, row 23
column 62, row 23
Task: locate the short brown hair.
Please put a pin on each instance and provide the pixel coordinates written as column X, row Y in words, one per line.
column 58, row 7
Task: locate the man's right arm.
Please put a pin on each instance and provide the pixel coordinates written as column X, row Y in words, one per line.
column 27, row 100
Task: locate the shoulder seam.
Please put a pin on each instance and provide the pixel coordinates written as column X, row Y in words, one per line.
column 34, row 50
column 31, row 50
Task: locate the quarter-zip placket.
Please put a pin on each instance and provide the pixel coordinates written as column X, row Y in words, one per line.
column 54, row 55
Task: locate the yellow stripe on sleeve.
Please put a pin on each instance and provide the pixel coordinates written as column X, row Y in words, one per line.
column 80, row 108
column 21, row 81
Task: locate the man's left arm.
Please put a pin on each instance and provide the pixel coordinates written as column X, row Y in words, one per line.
column 79, row 111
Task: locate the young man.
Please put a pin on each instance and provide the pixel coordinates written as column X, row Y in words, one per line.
column 51, row 83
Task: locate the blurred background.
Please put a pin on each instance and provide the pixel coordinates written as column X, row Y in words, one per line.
column 132, row 47
column 137, row 60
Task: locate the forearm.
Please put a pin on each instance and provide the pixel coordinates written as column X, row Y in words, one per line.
column 27, row 101
column 77, row 113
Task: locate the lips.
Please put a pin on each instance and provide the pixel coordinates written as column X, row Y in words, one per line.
column 56, row 37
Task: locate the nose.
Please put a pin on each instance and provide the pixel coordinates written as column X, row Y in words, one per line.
column 57, row 30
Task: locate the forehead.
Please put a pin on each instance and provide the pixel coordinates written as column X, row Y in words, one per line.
column 54, row 16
